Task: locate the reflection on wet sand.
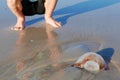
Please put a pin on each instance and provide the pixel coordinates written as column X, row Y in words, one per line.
column 36, row 47
column 42, row 57
column 39, row 56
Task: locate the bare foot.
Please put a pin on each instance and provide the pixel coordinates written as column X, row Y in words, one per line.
column 53, row 22
column 16, row 28
column 19, row 25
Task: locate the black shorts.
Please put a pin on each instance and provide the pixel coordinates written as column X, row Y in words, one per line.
column 32, row 8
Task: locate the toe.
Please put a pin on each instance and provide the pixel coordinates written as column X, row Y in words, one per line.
column 59, row 24
column 16, row 28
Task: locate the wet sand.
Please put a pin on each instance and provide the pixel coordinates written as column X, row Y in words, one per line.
column 42, row 53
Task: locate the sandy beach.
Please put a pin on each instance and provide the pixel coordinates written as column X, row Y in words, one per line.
column 42, row 53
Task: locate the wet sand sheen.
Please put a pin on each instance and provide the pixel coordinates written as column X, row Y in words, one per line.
column 45, row 56
column 39, row 53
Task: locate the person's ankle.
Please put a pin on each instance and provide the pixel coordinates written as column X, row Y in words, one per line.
column 47, row 16
column 21, row 18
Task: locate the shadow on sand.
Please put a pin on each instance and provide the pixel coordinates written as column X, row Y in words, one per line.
column 79, row 8
column 107, row 54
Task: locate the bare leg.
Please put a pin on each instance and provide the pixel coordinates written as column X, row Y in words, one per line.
column 16, row 7
column 49, row 7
